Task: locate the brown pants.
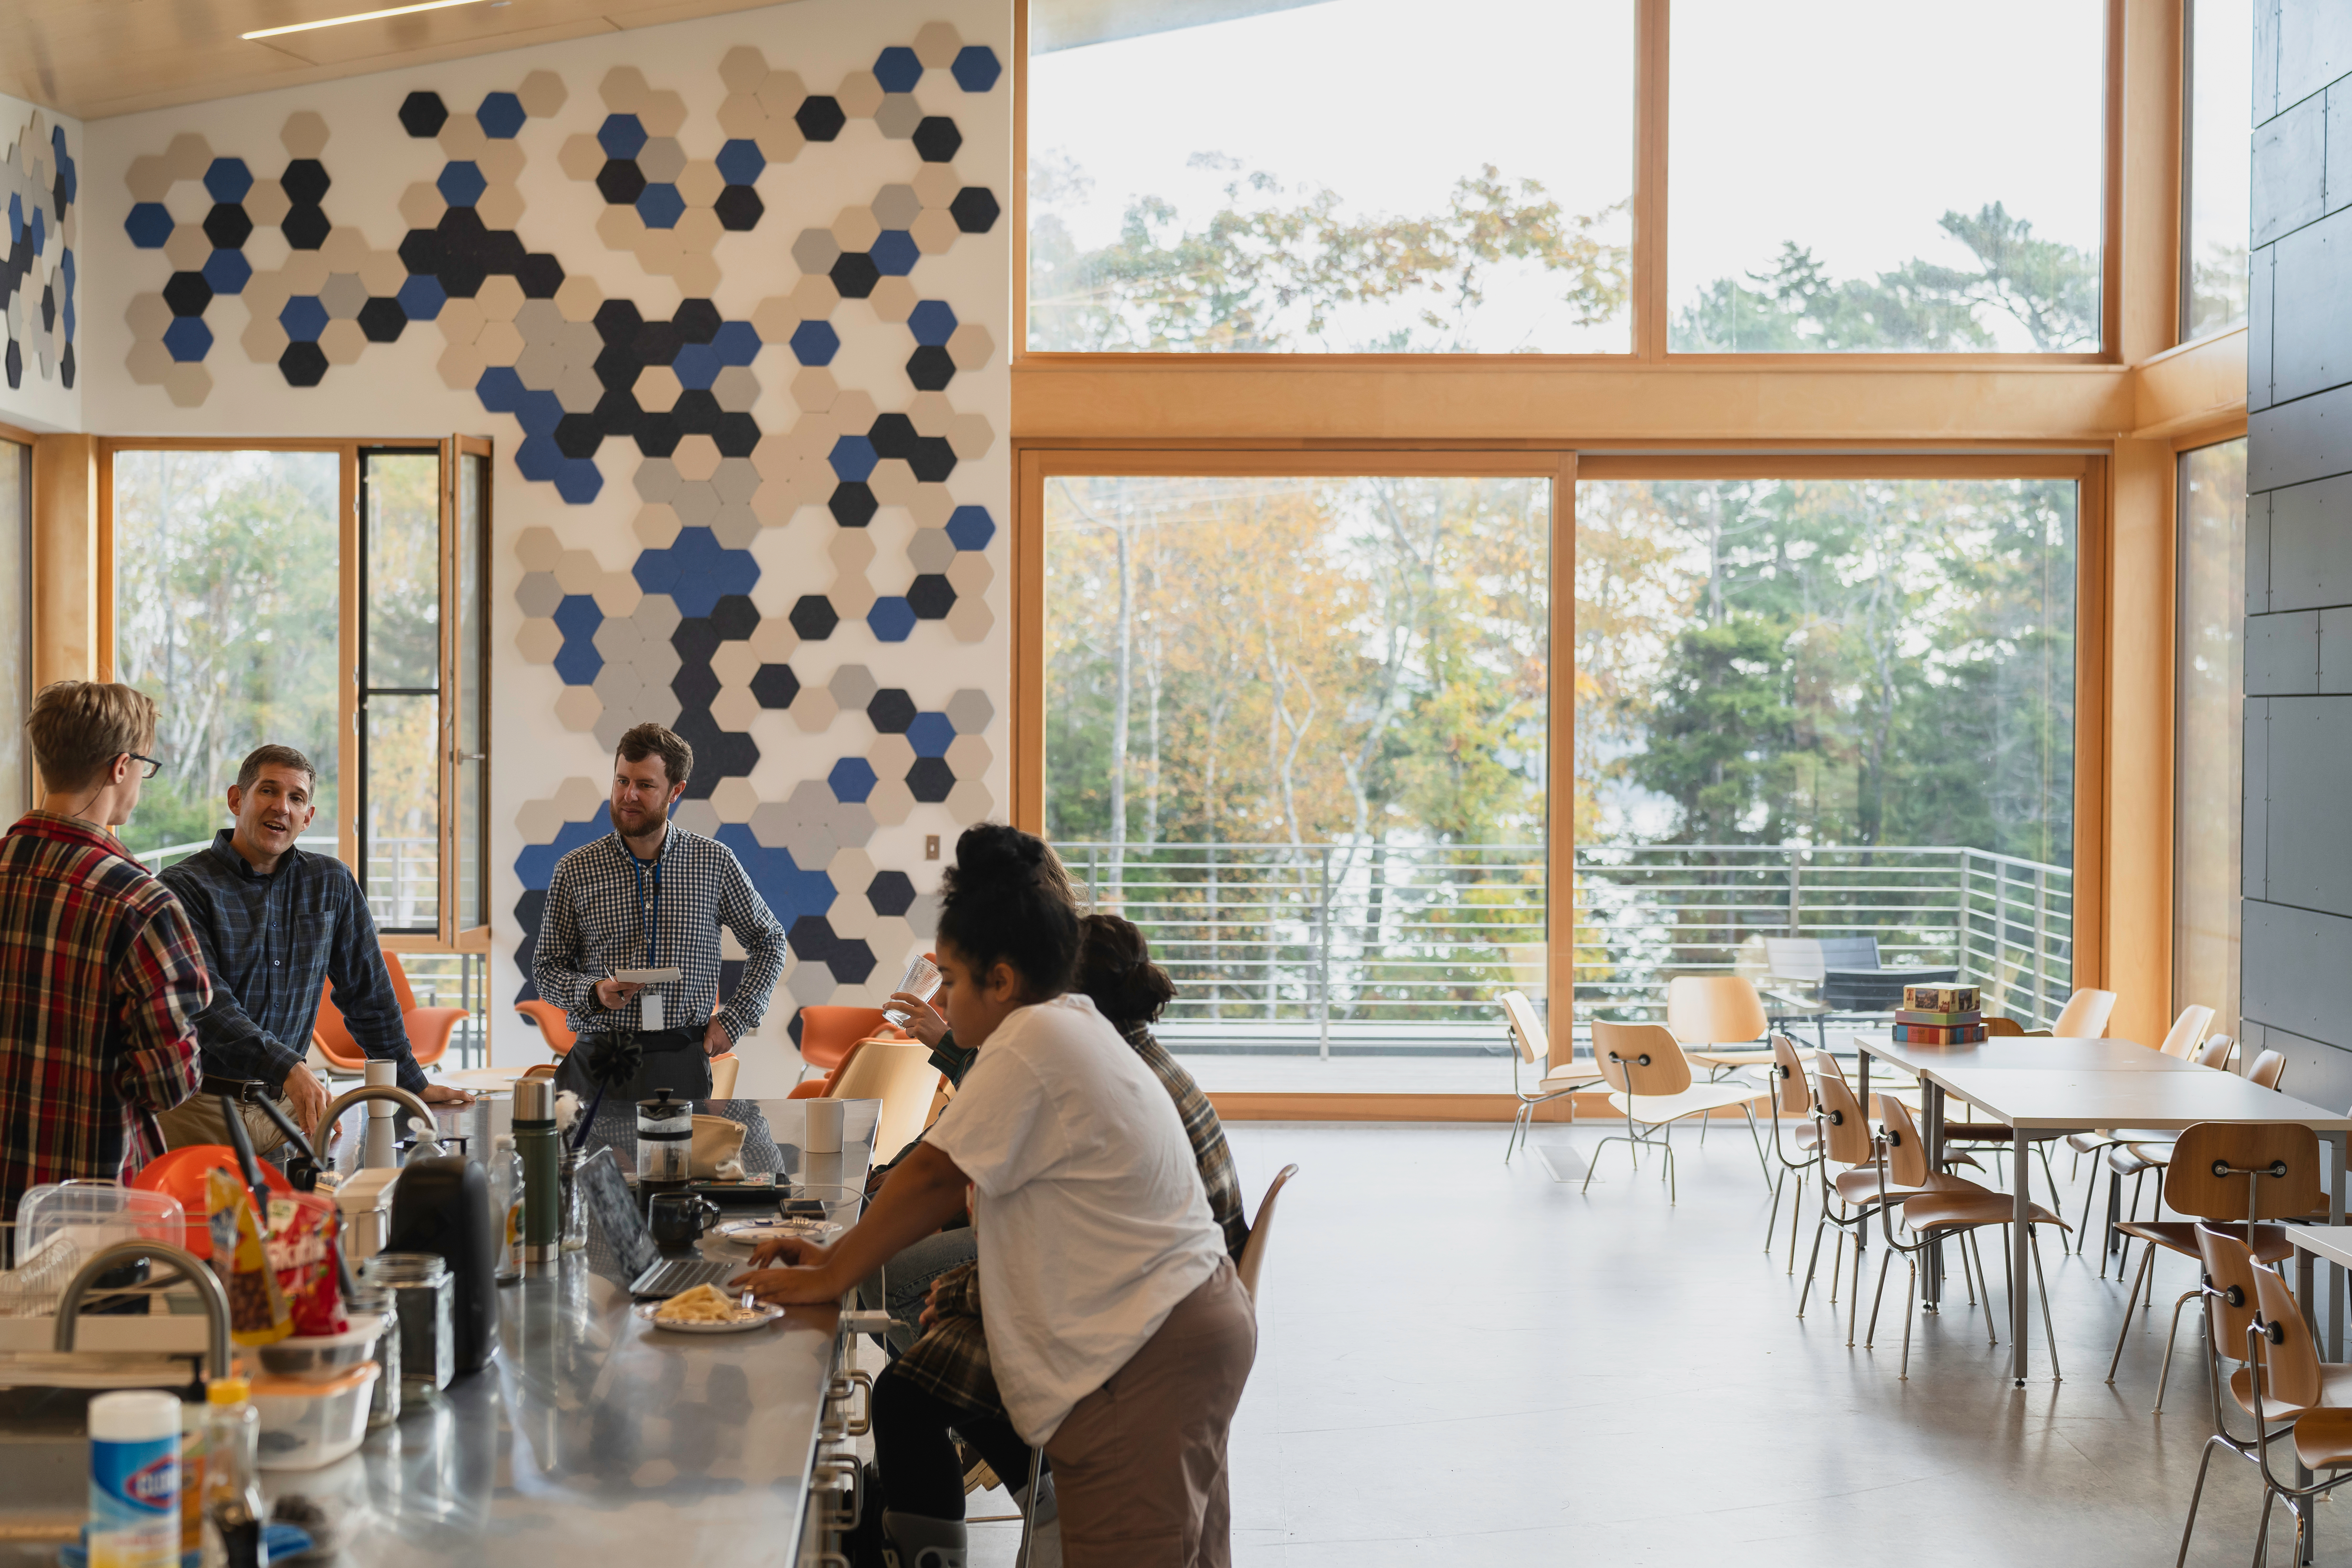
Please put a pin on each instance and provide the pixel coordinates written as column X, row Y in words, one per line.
column 1139, row 1464
column 199, row 1121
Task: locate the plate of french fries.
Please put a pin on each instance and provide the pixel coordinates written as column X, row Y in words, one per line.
column 707, row 1310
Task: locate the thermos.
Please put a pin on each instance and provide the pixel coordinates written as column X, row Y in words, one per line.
column 541, row 1148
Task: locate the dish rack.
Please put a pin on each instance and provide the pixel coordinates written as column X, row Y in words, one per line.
column 148, row 1340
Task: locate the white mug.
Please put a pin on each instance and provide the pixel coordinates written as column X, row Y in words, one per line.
column 825, row 1120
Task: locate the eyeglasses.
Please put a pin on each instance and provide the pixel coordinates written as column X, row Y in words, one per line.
column 150, row 770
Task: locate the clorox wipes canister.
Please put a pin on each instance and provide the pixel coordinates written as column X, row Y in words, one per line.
column 134, row 1481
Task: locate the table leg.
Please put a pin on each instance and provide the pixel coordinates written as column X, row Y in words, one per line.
column 2020, row 1281
column 1932, row 1286
column 2336, row 1270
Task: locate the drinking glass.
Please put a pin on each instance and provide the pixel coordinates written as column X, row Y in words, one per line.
column 921, row 979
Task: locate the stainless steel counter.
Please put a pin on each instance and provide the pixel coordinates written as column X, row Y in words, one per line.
column 596, row 1438
column 593, row 1437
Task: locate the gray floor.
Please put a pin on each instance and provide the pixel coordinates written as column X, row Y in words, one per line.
column 1465, row 1363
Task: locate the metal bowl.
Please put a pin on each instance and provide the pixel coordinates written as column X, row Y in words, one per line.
column 323, row 1356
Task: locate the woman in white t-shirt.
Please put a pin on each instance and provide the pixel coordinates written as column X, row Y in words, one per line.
column 1118, row 1332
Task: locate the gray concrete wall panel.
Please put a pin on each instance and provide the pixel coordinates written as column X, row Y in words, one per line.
column 2295, row 962
column 2310, row 830
column 2253, row 858
column 2290, row 171
column 2309, row 545
column 2282, row 655
column 2293, row 443
column 2309, row 265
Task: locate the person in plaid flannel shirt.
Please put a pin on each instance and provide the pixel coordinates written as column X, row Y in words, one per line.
column 100, row 977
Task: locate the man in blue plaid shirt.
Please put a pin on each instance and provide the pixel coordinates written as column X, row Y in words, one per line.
column 650, row 895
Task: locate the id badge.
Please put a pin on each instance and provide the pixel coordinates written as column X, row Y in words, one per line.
column 649, row 1012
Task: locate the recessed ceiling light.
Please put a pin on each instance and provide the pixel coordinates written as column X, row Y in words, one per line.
column 358, row 17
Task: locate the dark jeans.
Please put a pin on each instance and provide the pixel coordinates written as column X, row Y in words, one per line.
column 917, row 1458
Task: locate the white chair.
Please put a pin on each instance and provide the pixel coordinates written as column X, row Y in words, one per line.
column 1260, row 1230
column 1650, row 1081
column 2084, row 1017
column 1527, row 1036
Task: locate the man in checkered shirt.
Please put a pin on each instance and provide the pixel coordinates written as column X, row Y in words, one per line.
column 650, row 895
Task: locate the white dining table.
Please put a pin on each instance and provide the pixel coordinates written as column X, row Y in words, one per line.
column 2037, row 1084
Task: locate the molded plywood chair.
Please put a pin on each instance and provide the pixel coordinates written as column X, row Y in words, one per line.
column 552, row 1026
column 1849, row 1198
column 2180, row 1040
column 2084, row 1017
column 1792, row 1090
column 2141, row 1150
column 428, row 1028
column 1261, row 1232
column 1525, row 1032
column 899, row 1074
column 2215, row 1052
column 724, row 1068
column 2193, row 1189
column 1955, row 1207
column 828, row 1033
column 1650, row 1081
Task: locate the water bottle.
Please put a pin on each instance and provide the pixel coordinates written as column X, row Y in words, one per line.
column 506, row 1207
column 134, row 1481
column 234, row 1516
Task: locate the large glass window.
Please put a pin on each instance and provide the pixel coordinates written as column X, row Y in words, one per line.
column 1824, row 708
column 1358, row 175
column 226, row 595
column 16, row 790
column 400, row 686
column 2209, row 732
column 1297, row 729
column 2218, row 113
column 1847, row 177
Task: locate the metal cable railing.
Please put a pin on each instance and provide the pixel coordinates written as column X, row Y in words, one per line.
column 1282, row 944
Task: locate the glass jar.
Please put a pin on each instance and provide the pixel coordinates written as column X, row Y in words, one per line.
column 383, row 1404
column 574, row 1203
column 425, row 1296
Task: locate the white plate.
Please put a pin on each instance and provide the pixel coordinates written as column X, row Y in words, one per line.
column 751, row 1232
column 766, row 1315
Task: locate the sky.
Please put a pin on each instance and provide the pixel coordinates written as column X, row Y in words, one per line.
column 1849, row 126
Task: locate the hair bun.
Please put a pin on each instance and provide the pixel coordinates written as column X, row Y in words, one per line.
column 994, row 848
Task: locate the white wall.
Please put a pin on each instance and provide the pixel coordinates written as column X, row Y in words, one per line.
column 567, row 593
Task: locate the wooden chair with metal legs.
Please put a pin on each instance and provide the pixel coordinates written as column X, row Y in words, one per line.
column 2192, row 1188
column 2085, row 1016
column 2246, row 1318
column 1525, row 1032
column 1850, row 1198
column 1717, row 1019
column 2215, row 1053
column 2180, row 1040
column 1955, row 1209
column 1650, row 1081
column 1793, row 1093
column 2146, row 1149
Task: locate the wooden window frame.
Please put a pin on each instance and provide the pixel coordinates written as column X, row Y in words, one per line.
column 1647, row 264
column 347, row 631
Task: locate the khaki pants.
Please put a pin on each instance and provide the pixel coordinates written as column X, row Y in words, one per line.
column 1139, row 1464
column 198, row 1121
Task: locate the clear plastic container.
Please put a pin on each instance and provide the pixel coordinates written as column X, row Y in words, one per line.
column 59, row 1223
column 305, row 1424
column 321, row 1357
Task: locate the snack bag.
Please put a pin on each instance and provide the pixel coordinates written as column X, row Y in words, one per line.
column 256, row 1309
column 302, row 1248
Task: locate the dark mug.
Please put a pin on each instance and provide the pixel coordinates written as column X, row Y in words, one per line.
column 678, row 1218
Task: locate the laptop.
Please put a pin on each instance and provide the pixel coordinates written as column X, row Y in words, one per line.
column 614, row 1209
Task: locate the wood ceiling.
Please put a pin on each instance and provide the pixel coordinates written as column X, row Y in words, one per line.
column 92, row 58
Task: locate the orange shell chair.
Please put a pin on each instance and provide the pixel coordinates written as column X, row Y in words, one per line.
column 429, row 1028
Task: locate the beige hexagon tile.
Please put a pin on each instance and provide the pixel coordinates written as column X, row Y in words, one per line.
column 740, row 116
column 579, row 708
column 890, row 801
column 701, row 182
column 148, row 177
column 620, row 227
column 970, row 574
column 500, row 342
column 856, row 228
column 698, row 276
column 344, row 249
column 189, row 155
column 859, row 95
column 696, row 457
column 656, row 525
column 782, row 94
column 734, row 799
column 538, row 549
column 782, row 140
column 500, row 206
column 851, row 917
column 537, row 821
column 699, row 229
column 935, row 231
column 937, row 44
column 343, row 295
column 623, row 90
column 853, row 413
column 187, row 249
column 892, row 482
column 932, row 507
column 539, row 640
column 814, row 298
column 814, row 709
column 382, row 273
column 970, row 802
column 937, row 184
column 461, row 136
column 579, row 571
column 851, row 595
column 663, row 114
column 266, row 204
column 342, row 342
column 851, row 550
column 617, row 594
column 735, row 708
column 661, row 160
column 898, row 116
column 263, row 339
column 147, row 315
column 971, row 436
column 773, row 640
column 543, row 94
column 971, row 620
column 502, row 161
column 894, row 299
column 970, row 756
column 890, row 757
column 581, row 798
column 460, row 321
column 930, row 412
column 501, row 297
column 813, row 389
column 581, row 156
column 304, row 134
column 305, row 272
column 148, row 362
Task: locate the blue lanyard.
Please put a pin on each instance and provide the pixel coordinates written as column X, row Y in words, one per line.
column 651, row 921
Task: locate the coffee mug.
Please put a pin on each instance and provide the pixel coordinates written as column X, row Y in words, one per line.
column 825, row 1120
column 678, row 1218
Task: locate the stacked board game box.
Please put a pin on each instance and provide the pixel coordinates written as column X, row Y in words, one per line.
column 1939, row 1016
